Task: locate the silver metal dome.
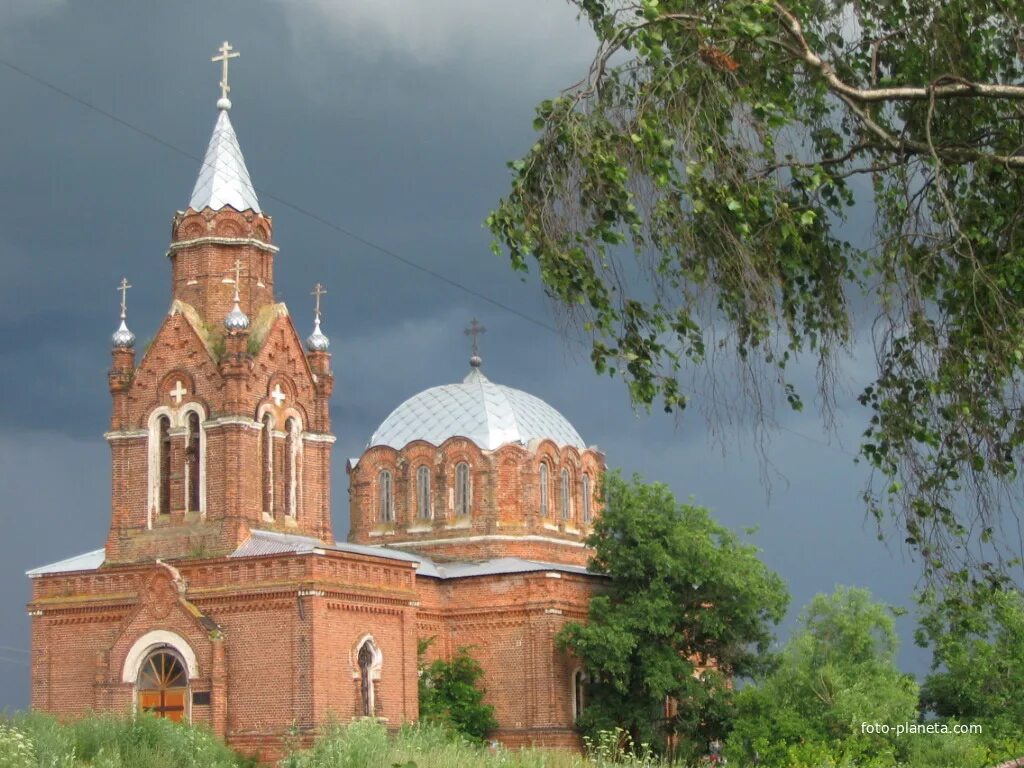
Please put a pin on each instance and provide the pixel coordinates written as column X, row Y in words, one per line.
column 489, row 414
column 236, row 320
column 123, row 338
column 317, row 341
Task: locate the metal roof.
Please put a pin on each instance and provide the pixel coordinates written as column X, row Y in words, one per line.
column 223, row 178
column 489, row 414
column 84, row 562
column 262, row 543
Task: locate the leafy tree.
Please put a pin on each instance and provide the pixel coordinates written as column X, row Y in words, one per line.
column 978, row 662
column 837, row 672
column 688, row 606
column 450, row 694
column 684, row 202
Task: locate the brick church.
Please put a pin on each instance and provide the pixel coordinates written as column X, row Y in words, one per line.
column 221, row 595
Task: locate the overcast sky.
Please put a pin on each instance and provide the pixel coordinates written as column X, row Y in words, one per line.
column 393, row 120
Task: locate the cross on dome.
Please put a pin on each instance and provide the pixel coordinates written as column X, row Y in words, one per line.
column 123, row 287
column 123, row 338
column 317, row 341
column 318, row 291
column 225, row 56
column 474, row 330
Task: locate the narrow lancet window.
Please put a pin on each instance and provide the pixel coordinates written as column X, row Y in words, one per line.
column 423, row 492
column 579, row 693
column 193, row 463
column 291, row 457
column 164, row 463
column 366, row 688
column 386, row 499
column 586, row 498
column 463, row 492
column 566, row 509
column 544, row 480
column 267, row 444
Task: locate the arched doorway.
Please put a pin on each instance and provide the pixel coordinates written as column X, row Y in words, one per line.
column 162, row 685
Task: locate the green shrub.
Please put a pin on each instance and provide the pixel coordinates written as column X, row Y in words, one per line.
column 450, row 695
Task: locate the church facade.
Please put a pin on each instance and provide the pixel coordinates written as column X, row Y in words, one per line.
column 221, row 595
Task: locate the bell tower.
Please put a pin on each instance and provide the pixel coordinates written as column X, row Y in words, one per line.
column 223, row 426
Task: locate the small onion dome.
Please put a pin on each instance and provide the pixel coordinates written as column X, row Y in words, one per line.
column 317, row 341
column 123, row 338
column 236, row 320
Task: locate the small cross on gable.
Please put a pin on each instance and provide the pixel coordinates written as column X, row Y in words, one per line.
column 277, row 395
column 178, row 393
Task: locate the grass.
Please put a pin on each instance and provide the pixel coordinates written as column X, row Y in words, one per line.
column 112, row 741
column 366, row 744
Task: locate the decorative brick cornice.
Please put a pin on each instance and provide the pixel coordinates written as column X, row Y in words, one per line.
column 213, row 240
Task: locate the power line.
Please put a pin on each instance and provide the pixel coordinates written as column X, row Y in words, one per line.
column 12, row 648
column 314, row 216
column 22, row 662
column 288, row 204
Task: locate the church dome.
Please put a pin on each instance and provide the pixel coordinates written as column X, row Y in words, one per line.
column 489, row 414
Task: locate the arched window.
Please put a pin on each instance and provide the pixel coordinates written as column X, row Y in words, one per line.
column 463, row 491
column 192, row 463
column 423, row 492
column 544, row 480
column 386, row 510
column 566, row 509
column 267, row 444
column 292, row 450
column 586, row 498
column 162, row 685
column 579, row 693
column 164, row 463
column 367, row 659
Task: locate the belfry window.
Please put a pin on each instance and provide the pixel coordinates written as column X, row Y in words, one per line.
column 164, row 463
column 267, row 445
column 386, row 513
column 162, row 685
column 586, row 498
column 463, row 491
column 292, row 448
column 193, row 466
column 423, row 492
column 566, row 508
column 366, row 658
column 544, row 480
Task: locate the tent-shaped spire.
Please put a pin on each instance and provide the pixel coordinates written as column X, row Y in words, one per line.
column 224, row 179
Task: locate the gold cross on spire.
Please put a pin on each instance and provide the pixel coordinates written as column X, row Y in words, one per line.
column 474, row 330
column 318, row 291
column 123, row 288
column 225, row 56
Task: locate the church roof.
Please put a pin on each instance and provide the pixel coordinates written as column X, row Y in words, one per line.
column 261, row 543
column 85, row 562
column 223, row 178
column 489, row 414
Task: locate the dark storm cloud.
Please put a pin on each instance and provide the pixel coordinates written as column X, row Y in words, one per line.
column 392, row 119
